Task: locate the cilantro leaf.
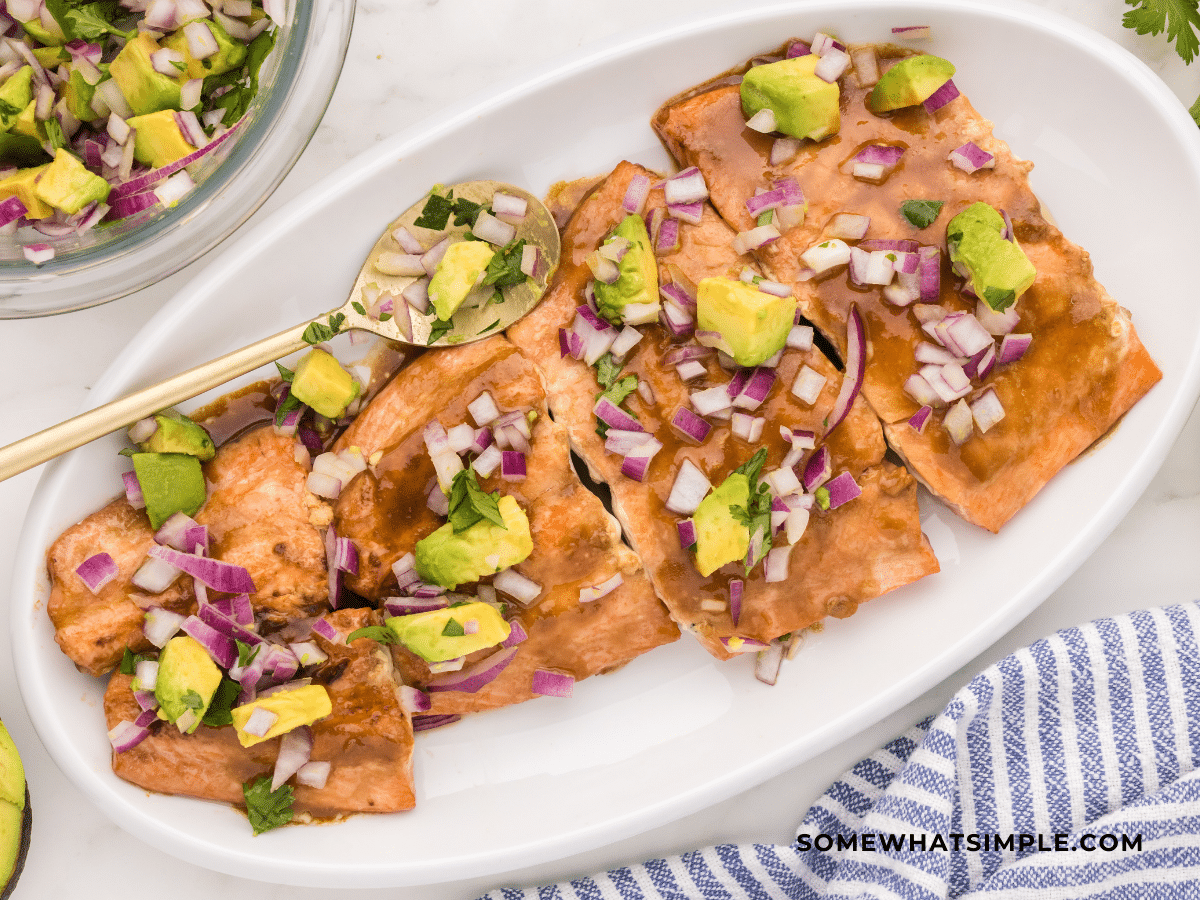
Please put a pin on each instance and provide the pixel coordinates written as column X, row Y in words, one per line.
column 504, row 268
column 246, row 652
column 753, row 466
column 191, row 700
column 453, row 628
column 381, row 634
column 265, row 808
column 438, row 330
column 921, row 213
column 607, row 370
column 87, row 21
column 318, row 332
column 469, row 503
column 129, row 661
column 219, row 711
column 436, row 212
column 999, row 299
column 756, row 514
column 1194, row 109
column 488, row 328
column 243, row 82
column 285, row 374
column 285, row 406
column 54, row 133
column 467, row 212
column 617, row 391
column 1179, row 18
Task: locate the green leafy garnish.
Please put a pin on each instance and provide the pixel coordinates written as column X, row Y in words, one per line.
column 504, row 268
column 453, row 628
column 243, row 82
column 999, row 299
column 129, row 661
column 436, row 212
column 381, row 634
column 285, row 374
column 7, row 110
column 488, row 328
column 438, row 329
column 359, row 308
column 921, row 213
column 246, row 652
column 607, row 370
column 469, row 503
column 220, row 710
column 191, row 700
column 318, row 332
column 265, row 808
column 1179, row 18
column 617, row 391
column 54, row 133
column 466, row 212
column 756, row 514
column 290, row 402
column 87, row 21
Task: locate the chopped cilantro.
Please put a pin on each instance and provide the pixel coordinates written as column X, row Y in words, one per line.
column 359, row 308
column 921, row 213
column 1179, row 18
column 285, row 373
column 488, row 328
column 246, row 652
column 242, row 83
column 756, row 515
column 436, row 212
column 129, row 661
column 438, row 330
column 87, row 21
column 504, row 268
column 617, row 391
column 317, row 332
column 385, row 317
column 999, row 299
column 54, row 133
column 265, row 808
column 289, row 403
column 381, row 634
column 607, row 370
column 191, row 700
column 219, row 711
column 469, row 503
column 466, row 212
column 7, row 110
column 453, row 628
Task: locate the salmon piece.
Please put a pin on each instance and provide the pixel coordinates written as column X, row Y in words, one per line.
column 576, row 544
column 93, row 630
column 261, row 516
column 367, row 738
column 1086, row 366
column 847, row 555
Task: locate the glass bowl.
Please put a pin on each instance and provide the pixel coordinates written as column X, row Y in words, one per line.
column 107, row 262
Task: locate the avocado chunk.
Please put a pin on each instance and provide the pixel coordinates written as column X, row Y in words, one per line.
column 637, row 284
column 15, row 818
column 292, row 708
column 178, row 434
column 171, row 483
column 37, row 29
column 912, row 80
column 78, row 94
column 157, row 140
column 450, row 559
column 320, row 382
column 739, row 319
column 998, row 269
column 720, row 538
column 22, row 184
column 187, row 681
column 441, row 634
column 805, row 105
column 230, row 53
column 67, row 184
column 457, row 273
column 27, row 123
column 145, row 90
column 15, row 95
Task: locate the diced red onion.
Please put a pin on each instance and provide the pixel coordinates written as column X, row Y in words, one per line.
column 603, row 589
column 636, row 463
column 1013, row 347
column 826, row 255
column 677, row 320
column 866, row 65
column 414, row 700
column 711, row 400
column 690, row 425
column 127, row 189
column 517, row 586
column 552, row 684
column 842, row 489
column 219, row 646
column 295, row 748
column 987, row 410
column 783, row 149
column 756, row 237
column 941, row 97
column 96, row 571
column 615, row 417
column 959, row 422
column 691, row 213
column 971, row 158
column 980, row 365
column 687, row 533
column 684, row 187
column 509, row 205
column 155, row 575
column 880, row 155
column 38, row 253
column 920, row 419
column 690, row 487
column 808, row 385
column 125, row 735
column 818, row 469
column 315, row 774
column 161, row 625
column 636, row 194
column 690, row 370
column 775, row 568
column 832, row 65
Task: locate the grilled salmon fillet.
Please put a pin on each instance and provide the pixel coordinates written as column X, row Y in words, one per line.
column 576, row 544
column 259, row 516
column 1085, row 367
column 847, row 555
column 368, row 738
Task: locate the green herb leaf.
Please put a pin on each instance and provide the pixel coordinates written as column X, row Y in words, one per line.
column 87, row 21
column 438, row 330
column 1194, row 109
column 359, row 308
column 191, row 700
column 129, row 661
column 265, row 808
column 607, row 370
column 246, row 652
column 285, row 373
column 756, row 515
column 436, row 212
column 243, row 82
column 753, row 466
column 54, row 133
column 220, row 710
column 381, row 634
column 466, row 212
column 318, row 332
column 290, row 402
column 999, row 299
column 617, row 392
column 1179, row 18
column 921, row 213
column 504, row 268
column 453, row 628
column 488, row 328
column 469, row 503
column 7, row 110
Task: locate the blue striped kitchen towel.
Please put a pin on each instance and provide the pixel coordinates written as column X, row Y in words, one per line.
column 1066, row 770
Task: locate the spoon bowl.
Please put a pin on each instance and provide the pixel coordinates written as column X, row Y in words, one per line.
column 494, row 311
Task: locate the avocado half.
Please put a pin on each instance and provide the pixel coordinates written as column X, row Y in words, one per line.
column 16, row 839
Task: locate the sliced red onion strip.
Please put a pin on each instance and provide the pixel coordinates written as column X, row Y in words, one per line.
column 472, row 678
column 427, row 723
column 219, row 576
column 96, row 571
column 552, row 684
column 128, row 189
column 220, row 647
column 856, row 364
column 920, row 419
column 227, row 625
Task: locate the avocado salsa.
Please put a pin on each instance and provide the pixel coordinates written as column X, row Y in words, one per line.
column 102, row 107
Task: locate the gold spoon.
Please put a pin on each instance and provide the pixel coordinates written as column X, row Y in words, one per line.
column 469, row 323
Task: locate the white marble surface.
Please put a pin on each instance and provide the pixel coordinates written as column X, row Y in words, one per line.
column 408, row 59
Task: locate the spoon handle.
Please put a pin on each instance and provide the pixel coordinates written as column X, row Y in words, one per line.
column 58, row 439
